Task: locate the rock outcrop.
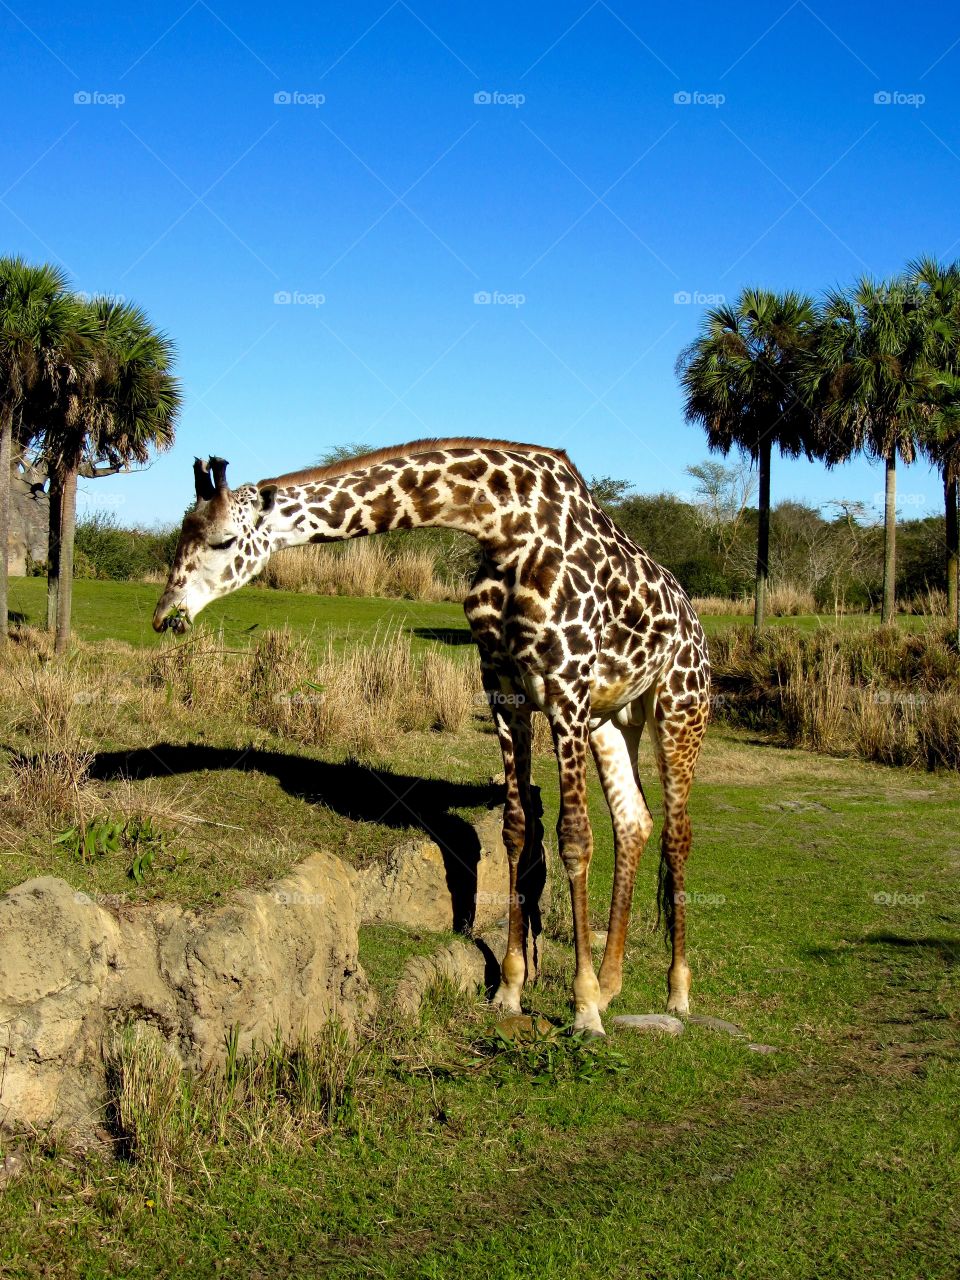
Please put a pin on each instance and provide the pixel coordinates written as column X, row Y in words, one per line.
column 29, row 518
column 424, row 887
column 280, row 959
column 420, row 886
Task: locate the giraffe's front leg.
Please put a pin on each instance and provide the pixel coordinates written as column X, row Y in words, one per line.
column 568, row 720
column 513, row 730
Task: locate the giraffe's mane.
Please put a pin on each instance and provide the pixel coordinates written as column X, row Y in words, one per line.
column 343, row 466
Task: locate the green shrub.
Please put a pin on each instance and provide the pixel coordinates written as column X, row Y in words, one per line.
column 105, row 549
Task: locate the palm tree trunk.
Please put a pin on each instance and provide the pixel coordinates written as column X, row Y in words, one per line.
column 763, row 533
column 54, row 536
column 68, row 525
column 889, row 539
column 950, row 488
column 6, row 459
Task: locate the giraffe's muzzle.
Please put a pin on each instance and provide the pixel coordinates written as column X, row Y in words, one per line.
column 176, row 620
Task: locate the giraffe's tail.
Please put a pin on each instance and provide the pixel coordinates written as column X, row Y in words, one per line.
column 666, row 897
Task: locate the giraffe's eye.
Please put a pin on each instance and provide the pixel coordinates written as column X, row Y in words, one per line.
column 222, row 546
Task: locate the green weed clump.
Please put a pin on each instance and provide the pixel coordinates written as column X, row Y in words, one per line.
column 163, row 1118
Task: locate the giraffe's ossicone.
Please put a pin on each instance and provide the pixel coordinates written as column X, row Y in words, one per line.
column 570, row 617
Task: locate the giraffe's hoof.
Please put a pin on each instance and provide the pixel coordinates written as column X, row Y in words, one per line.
column 506, row 1000
column 587, row 1023
column 678, row 1004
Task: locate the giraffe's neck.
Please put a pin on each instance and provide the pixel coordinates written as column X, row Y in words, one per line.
column 486, row 492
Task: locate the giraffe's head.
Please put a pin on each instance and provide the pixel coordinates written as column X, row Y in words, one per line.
column 224, row 542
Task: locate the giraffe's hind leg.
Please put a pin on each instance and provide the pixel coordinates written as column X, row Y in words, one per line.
column 677, row 727
column 520, row 825
column 614, row 750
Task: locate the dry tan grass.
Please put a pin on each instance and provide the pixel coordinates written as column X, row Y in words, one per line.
column 931, row 603
column 813, row 700
column 884, row 726
column 362, row 567
column 723, row 606
column 783, row 600
column 40, row 699
column 362, row 697
column 542, row 736
column 889, row 695
column 938, row 730
column 787, row 600
column 357, row 700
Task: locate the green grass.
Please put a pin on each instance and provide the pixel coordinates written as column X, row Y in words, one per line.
column 834, row 1157
column 825, row 920
column 124, row 610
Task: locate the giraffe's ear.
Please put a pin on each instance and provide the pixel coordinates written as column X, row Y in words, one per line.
column 266, row 497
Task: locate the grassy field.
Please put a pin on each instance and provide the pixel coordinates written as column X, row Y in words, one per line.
column 825, row 921
column 123, row 610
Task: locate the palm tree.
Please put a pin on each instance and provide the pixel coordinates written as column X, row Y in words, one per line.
column 866, row 382
column 106, row 407
column 740, row 381
column 36, row 316
column 939, row 287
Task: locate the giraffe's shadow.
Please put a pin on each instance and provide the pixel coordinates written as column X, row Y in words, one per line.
column 351, row 789
column 444, row 635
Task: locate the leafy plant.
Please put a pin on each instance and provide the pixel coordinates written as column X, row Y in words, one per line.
column 139, row 836
column 548, row 1055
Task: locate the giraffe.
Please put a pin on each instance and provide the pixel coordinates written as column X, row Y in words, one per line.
column 570, row 618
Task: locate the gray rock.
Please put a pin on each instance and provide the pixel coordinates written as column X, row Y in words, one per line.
column 714, row 1024
column 664, row 1022
column 11, row 1168
column 762, row 1048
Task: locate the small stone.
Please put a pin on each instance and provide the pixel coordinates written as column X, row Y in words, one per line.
column 762, row 1048
column 714, row 1024
column 11, row 1168
column 521, row 1026
column 649, row 1022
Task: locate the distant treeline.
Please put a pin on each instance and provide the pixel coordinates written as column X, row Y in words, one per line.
column 839, row 560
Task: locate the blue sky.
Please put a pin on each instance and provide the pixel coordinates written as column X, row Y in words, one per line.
column 146, row 151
